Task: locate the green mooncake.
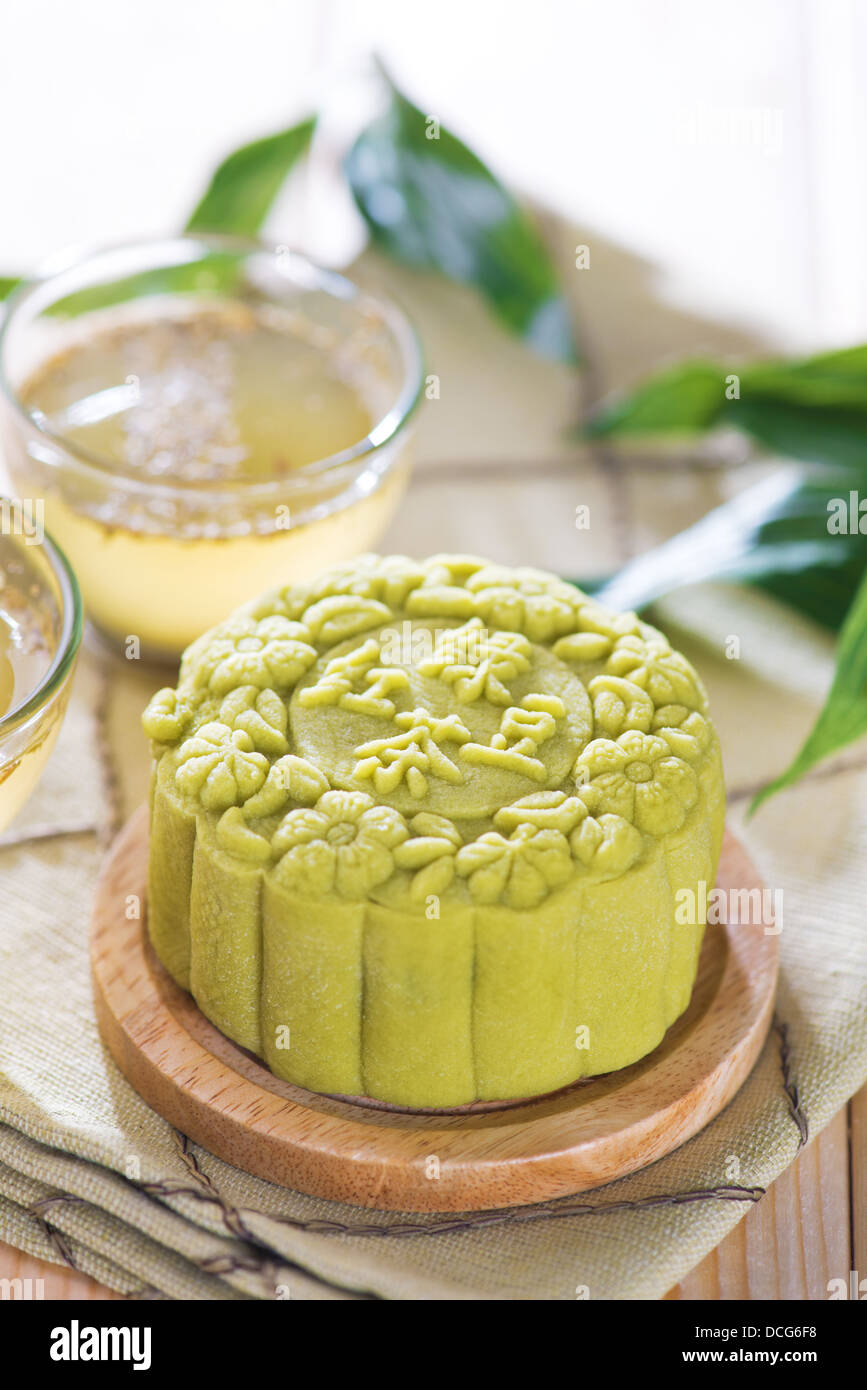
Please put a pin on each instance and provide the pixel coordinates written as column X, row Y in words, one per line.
column 419, row 828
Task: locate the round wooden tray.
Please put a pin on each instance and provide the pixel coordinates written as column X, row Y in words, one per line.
column 470, row 1160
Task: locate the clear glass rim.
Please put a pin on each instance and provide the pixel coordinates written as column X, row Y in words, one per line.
column 69, row 641
column 39, row 290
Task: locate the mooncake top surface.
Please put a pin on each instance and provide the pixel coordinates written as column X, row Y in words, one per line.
column 401, row 728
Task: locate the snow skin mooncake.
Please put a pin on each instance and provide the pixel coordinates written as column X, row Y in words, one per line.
column 418, row 828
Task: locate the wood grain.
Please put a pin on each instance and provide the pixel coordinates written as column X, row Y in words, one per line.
column 57, row 1282
column 795, row 1240
column 858, row 1182
column 228, row 1102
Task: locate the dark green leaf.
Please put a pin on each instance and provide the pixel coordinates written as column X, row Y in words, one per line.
column 832, row 434
column 237, row 202
column 216, row 273
column 244, row 186
column 430, row 202
column 686, row 399
column 844, row 717
column 782, row 535
column 775, row 534
column 799, row 538
column 822, row 593
column 814, row 410
column 827, row 368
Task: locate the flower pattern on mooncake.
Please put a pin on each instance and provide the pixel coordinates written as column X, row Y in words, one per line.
column 343, row 844
column 638, row 778
column 272, row 653
column 667, row 676
column 220, row 766
column 474, row 631
column 520, row 870
column 429, row 819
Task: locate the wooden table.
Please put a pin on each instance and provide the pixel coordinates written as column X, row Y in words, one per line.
column 811, row 1227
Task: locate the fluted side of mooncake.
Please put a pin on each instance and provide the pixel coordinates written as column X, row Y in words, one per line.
column 419, row 831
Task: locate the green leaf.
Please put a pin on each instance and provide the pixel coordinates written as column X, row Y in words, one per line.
column 430, row 202
column 844, row 716
column 799, row 538
column 827, row 370
column 685, row 399
column 244, row 186
column 833, row 434
column 775, row 534
column 7, row 285
column 814, row 410
column 821, row 592
column 237, row 202
column 216, row 273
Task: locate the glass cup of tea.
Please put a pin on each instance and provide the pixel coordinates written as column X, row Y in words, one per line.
column 40, row 634
column 205, row 418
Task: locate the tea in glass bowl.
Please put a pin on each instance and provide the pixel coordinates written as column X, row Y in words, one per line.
column 40, row 633
column 205, row 418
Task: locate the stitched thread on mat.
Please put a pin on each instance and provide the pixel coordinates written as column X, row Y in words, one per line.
column 235, row 1223
column 214, row 1264
column 268, row 1270
column 517, row 1215
column 790, row 1086
column 58, row 1241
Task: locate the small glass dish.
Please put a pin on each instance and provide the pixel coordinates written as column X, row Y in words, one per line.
column 40, row 634
column 165, row 549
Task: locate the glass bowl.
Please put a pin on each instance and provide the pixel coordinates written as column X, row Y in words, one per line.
column 160, row 559
column 41, row 619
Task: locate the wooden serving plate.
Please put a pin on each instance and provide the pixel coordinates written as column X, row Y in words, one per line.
column 477, row 1158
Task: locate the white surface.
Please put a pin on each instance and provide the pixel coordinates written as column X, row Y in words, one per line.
column 722, row 144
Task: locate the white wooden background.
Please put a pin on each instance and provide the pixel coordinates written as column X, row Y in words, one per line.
column 723, row 143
